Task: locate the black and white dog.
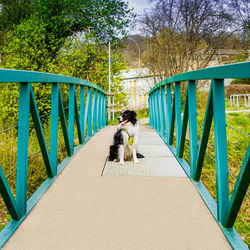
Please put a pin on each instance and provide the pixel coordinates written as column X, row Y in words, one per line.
column 126, row 139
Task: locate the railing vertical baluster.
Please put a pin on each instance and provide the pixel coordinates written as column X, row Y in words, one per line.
column 204, row 136
column 177, row 93
column 164, row 110
column 64, row 125
column 153, row 110
column 183, row 128
column 82, row 111
column 8, row 197
column 220, row 147
column 98, row 110
column 71, row 115
column 88, row 100
column 94, row 110
column 156, row 111
column 54, row 126
column 150, row 111
column 77, row 120
column 171, row 133
column 160, row 113
column 90, row 114
column 169, row 111
column 239, row 191
column 105, row 108
column 22, row 147
column 192, row 125
column 101, row 110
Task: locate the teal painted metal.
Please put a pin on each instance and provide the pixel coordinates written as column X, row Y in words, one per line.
column 183, row 128
column 98, row 111
column 239, row 191
column 40, row 134
column 101, row 109
column 71, row 116
column 105, row 108
column 204, row 136
column 236, row 70
column 172, row 121
column 82, row 105
column 159, row 108
column 177, row 105
column 164, row 110
column 64, row 125
column 54, row 126
column 220, row 147
column 22, row 147
column 94, row 113
column 225, row 212
column 8, row 196
column 191, row 88
column 77, row 119
column 169, row 111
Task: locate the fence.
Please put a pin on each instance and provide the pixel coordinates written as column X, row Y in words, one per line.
column 89, row 117
column 165, row 114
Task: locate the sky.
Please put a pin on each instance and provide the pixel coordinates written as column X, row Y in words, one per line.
column 139, row 7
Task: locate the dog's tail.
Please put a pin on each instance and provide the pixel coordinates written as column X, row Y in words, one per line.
column 139, row 155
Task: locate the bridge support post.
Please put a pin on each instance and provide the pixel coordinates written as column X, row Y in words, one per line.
column 177, row 94
column 169, row 111
column 71, row 115
column 192, row 125
column 82, row 111
column 54, row 126
column 22, row 147
column 220, row 147
column 94, row 115
column 164, row 110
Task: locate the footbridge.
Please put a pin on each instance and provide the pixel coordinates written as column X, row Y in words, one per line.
column 86, row 202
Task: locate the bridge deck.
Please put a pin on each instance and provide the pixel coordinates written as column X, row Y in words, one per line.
column 84, row 210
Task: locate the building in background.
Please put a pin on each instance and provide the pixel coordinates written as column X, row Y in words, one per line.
column 137, row 83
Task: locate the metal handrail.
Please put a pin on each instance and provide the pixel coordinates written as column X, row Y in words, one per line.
column 89, row 117
column 165, row 114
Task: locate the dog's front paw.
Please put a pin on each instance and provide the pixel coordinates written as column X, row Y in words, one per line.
column 121, row 162
column 136, row 161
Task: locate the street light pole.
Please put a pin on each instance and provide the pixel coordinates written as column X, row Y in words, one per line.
column 138, row 49
column 109, row 111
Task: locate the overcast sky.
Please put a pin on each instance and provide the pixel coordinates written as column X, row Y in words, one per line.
column 139, row 5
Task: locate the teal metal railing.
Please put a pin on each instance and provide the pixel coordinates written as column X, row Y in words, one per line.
column 89, row 117
column 165, row 114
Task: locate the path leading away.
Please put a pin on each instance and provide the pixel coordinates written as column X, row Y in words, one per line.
column 85, row 210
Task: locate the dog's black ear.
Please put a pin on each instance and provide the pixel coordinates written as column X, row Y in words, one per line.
column 133, row 114
column 133, row 117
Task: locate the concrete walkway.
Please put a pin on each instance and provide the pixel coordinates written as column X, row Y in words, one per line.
column 84, row 210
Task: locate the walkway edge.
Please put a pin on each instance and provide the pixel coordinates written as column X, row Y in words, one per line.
column 13, row 225
column 231, row 234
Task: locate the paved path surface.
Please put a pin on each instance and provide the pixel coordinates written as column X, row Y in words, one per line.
column 158, row 161
column 84, row 210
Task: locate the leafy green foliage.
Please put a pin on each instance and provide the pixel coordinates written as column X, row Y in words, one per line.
column 25, row 47
column 106, row 18
column 86, row 59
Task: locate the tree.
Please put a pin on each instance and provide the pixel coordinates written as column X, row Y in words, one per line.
column 107, row 19
column 13, row 12
column 184, row 35
column 82, row 57
column 25, row 47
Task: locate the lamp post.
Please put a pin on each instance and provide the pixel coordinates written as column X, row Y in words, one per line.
column 138, row 49
column 109, row 111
